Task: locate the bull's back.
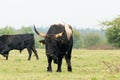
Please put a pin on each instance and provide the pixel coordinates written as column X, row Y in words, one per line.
column 19, row 37
column 55, row 29
column 19, row 41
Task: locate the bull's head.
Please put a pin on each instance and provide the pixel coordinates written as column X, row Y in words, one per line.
column 48, row 35
column 51, row 43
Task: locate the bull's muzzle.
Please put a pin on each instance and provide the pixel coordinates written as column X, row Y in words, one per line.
column 55, row 58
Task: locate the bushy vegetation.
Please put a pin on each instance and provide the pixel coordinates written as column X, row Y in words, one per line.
column 86, row 38
column 112, row 31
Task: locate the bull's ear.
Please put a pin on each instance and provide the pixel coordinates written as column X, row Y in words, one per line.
column 42, row 42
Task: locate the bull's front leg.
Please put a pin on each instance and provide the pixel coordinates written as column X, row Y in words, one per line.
column 59, row 65
column 49, row 68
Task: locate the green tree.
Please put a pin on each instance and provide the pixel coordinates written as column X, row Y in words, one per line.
column 7, row 30
column 76, row 39
column 113, row 31
column 91, row 39
column 24, row 30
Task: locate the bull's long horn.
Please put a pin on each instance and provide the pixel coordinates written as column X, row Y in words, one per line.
column 38, row 33
column 58, row 35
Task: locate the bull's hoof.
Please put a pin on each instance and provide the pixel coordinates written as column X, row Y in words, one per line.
column 37, row 58
column 49, row 69
column 59, row 70
column 6, row 59
column 69, row 69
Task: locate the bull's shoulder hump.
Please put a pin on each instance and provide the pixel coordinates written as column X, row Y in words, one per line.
column 68, row 30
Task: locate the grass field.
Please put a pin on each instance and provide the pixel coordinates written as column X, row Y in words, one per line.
column 87, row 65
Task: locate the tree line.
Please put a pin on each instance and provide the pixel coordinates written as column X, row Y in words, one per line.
column 82, row 38
column 86, row 38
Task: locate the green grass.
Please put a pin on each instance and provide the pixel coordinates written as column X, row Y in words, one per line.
column 87, row 65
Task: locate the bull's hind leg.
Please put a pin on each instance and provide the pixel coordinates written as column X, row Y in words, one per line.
column 30, row 53
column 68, row 60
column 35, row 52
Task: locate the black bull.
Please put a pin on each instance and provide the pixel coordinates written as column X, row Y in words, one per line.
column 58, row 42
column 18, row 42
